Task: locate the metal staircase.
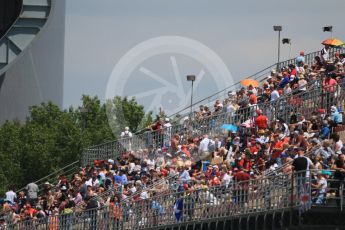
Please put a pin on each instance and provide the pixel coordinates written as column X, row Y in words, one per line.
column 33, row 16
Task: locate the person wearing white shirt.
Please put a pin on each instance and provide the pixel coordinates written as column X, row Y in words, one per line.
column 274, row 94
column 11, row 196
column 325, row 54
column 167, row 130
column 204, row 148
column 226, row 179
column 126, row 136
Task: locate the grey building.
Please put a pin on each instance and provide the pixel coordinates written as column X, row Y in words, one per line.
column 31, row 55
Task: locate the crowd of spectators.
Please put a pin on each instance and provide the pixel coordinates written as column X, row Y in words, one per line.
column 185, row 162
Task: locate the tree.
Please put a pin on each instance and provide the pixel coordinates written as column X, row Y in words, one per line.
column 51, row 138
column 123, row 112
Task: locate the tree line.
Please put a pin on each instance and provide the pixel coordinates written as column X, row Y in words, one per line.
column 51, row 138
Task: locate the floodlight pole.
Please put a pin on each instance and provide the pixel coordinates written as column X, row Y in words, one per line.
column 279, row 29
column 192, row 79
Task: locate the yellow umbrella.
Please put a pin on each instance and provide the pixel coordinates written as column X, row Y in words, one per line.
column 333, row 42
column 248, row 82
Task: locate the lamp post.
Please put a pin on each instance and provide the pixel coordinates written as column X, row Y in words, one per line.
column 279, row 29
column 287, row 41
column 328, row 29
column 192, row 79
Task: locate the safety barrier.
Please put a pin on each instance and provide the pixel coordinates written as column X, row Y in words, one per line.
column 113, row 149
column 298, row 103
column 300, row 190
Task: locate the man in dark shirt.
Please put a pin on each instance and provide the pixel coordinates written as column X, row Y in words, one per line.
column 301, row 165
column 339, row 174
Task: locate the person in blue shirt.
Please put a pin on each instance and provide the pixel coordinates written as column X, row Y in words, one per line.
column 121, row 178
column 284, row 81
column 325, row 131
column 185, row 177
column 336, row 117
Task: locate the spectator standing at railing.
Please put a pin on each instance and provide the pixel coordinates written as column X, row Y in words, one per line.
column 339, row 175
column 300, row 60
column 261, row 121
column 11, row 196
column 126, row 135
column 325, row 54
column 167, row 132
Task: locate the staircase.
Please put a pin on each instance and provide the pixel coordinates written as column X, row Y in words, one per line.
column 33, row 16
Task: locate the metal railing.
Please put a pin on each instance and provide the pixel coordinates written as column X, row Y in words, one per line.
column 52, row 178
column 240, row 198
column 113, row 149
column 259, row 76
column 298, row 102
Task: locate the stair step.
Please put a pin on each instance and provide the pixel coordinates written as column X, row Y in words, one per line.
column 35, row 12
column 30, row 22
column 22, row 36
column 36, row 2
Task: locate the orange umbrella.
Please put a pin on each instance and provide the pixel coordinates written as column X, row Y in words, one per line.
column 248, row 82
column 333, row 42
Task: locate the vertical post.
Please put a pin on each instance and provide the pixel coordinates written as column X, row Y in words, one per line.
column 191, row 100
column 292, row 197
column 278, row 65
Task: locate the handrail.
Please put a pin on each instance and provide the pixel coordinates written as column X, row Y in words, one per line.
column 55, row 173
column 309, row 58
column 239, row 199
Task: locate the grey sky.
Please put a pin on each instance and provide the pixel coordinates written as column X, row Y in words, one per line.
column 100, row 32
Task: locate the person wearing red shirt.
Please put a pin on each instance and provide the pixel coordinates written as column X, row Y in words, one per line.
column 277, row 146
column 241, row 190
column 261, row 120
column 252, row 98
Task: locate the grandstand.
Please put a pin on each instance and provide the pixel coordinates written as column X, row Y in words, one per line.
column 31, row 68
column 157, row 180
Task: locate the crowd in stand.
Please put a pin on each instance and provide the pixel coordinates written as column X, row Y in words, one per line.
column 191, row 160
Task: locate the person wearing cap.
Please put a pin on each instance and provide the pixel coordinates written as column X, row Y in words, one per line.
column 336, row 117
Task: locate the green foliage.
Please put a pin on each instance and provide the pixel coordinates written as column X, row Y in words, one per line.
column 51, row 138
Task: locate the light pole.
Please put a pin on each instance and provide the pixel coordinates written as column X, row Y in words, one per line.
column 279, row 29
column 192, row 79
column 287, row 41
column 328, row 29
